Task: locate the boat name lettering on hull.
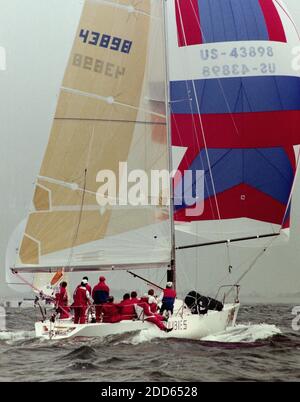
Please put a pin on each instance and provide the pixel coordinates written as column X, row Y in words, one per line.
column 105, row 41
column 178, row 325
column 98, row 66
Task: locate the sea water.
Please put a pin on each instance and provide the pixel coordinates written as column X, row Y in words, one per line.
column 262, row 347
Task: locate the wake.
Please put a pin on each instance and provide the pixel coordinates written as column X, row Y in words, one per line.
column 243, row 333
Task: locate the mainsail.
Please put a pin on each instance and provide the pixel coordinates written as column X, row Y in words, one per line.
column 235, row 109
column 106, row 115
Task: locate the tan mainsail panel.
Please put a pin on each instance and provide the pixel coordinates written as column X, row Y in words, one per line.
column 29, row 250
column 101, row 118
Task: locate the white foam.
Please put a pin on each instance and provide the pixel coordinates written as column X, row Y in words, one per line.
column 242, row 333
column 145, row 335
column 245, row 333
column 16, row 336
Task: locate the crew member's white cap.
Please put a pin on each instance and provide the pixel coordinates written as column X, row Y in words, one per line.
column 169, row 284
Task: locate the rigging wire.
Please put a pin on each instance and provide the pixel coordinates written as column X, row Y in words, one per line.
column 228, row 258
column 292, row 189
column 252, row 262
column 199, row 117
column 79, row 221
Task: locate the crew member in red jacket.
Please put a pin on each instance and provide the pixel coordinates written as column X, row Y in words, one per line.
column 100, row 295
column 133, row 297
column 85, row 280
column 82, row 299
column 62, row 301
column 156, row 319
column 127, row 310
column 110, row 311
column 88, row 286
column 152, row 301
column 168, row 297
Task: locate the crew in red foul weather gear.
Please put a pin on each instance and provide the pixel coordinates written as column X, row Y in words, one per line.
column 85, row 280
column 156, row 319
column 168, row 298
column 82, row 299
column 133, row 297
column 152, row 301
column 62, row 301
column 100, row 295
column 88, row 286
column 127, row 309
column 110, row 311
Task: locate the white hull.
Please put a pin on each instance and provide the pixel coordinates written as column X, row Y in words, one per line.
column 185, row 326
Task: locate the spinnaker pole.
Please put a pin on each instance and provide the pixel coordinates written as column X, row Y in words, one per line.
column 145, row 280
column 228, row 241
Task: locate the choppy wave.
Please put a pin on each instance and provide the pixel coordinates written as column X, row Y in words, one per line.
column 83, row 352
column 263, row 351
column 146, row 335
column 78, row 365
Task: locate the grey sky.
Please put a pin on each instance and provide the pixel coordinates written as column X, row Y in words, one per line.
column 37, row 35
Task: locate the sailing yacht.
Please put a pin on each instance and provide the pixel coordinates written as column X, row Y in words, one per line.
column 176, row 86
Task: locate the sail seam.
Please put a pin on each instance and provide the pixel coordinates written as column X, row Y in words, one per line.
column 112, row 121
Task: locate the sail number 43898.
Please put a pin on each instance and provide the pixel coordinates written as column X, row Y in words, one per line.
column 105, row 41
column 236, row 70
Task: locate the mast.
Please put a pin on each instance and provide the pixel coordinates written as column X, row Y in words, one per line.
column 171, row 273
